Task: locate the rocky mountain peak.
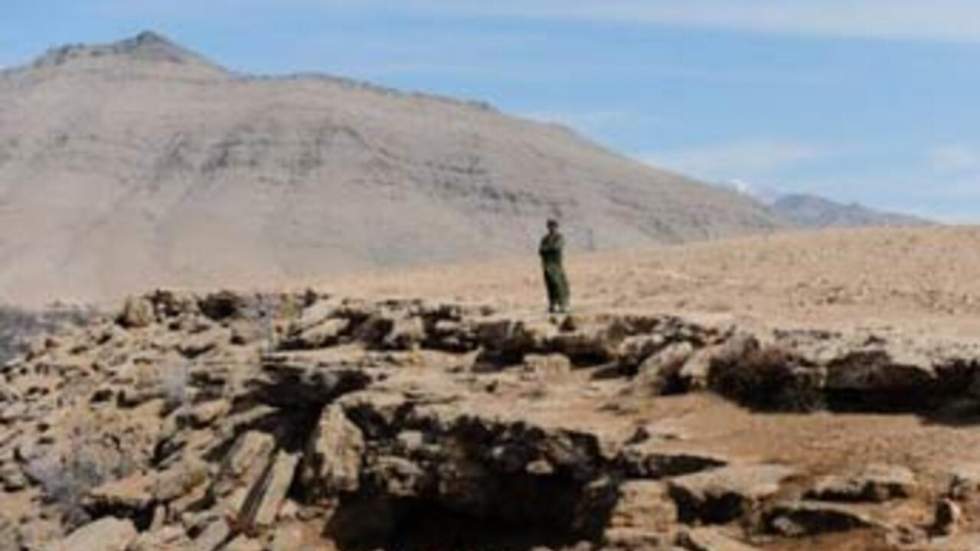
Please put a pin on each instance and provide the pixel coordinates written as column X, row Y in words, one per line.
column 147, row 46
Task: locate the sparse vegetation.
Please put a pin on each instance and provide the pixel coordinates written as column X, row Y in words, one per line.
column 65, row 480
column 173, row 381
column 18, row 325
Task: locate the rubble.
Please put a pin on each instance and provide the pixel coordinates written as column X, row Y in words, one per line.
column 252, row 423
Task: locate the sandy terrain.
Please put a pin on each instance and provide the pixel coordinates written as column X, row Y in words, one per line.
column 911, row 295
column 923, row 280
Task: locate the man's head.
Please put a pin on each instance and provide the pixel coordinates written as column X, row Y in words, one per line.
column 552, row 225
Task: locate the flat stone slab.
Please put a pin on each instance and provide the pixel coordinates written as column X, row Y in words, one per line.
column 807, row 518
column 724, row 494
column 873, row 483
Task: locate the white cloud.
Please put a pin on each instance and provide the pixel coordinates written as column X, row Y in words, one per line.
column 955, row 158
column 948, row 20
column 953, row 20
column 743, row 160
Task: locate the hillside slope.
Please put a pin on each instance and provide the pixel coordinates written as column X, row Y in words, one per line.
column 811, row 211
column 140, row 163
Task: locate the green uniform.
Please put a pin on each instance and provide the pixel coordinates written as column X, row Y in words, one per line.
column 554, row 272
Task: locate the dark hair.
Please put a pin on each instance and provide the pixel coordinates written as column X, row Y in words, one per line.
column 552, row 222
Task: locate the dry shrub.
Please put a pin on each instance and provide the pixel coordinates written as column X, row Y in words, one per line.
column 18, row 325
column 66, row 480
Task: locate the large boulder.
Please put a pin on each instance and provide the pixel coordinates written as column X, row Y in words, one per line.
column 880, row 371
column 768, row 378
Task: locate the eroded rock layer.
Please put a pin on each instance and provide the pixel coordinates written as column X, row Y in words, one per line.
column 280, row 422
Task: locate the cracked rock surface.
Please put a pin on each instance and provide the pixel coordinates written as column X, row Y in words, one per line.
column 273, row 422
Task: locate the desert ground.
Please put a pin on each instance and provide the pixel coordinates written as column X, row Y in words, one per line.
column 801, row 391
column 921, row 279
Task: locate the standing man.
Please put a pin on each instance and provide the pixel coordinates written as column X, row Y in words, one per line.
column 554, row 272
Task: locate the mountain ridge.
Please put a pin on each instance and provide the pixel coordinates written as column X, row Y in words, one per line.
column 814, row 211
column 197, row 176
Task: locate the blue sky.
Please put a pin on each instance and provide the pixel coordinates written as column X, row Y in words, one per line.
column 873, row 101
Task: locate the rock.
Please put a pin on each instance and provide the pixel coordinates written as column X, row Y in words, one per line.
column 38, row 534
column 398, row 476
column 332, row 463
column 164, row 539
column 287, row 384
column 947, row 517
column 546, row 367
column 243, row 543
column 199, row 344
column 9, row 535
column 693, row 375
column 244, row 332
column 643, row 507
column 966, row 542
column 508, row 339
column 965, row 480
column 630, row 539
column 875, row 370
column 724, row 494
column 595, row 344
column 405, row 334
column 873, row 483
column 245, row 463
column 647, row 460
column 12, row 478
column 710, row 539
column 807, row 518
column 179, row 479
column 206, row 413
column 660, row 373
column 373, row 331
column 221, row 305
column 133, row 493
column 107, row 534
column 137, row 313
column 769, row 378
column 175, row 303
column 262, row 503
column 634, row 350
column 212, row 537
column 322, row 335
column 315, row 314
column 291, row 536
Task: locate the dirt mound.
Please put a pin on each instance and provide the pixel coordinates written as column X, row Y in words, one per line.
column 233, row 421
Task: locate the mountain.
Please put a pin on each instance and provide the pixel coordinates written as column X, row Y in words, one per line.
column 811, row 211
column 141, row 163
